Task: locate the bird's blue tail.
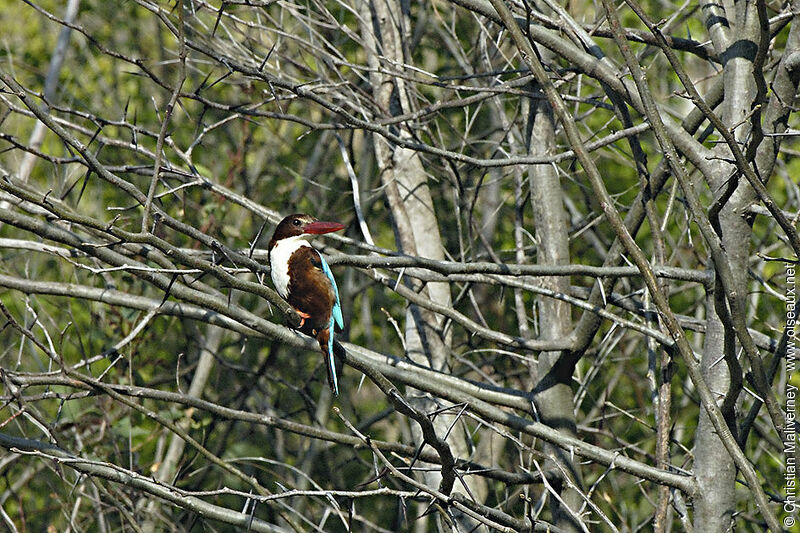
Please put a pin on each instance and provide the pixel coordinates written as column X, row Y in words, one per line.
column 325, row 339
column 336, row 317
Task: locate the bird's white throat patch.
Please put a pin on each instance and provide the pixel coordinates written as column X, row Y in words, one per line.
column 279, row 261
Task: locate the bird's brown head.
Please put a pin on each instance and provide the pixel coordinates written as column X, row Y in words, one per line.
column 301, row 224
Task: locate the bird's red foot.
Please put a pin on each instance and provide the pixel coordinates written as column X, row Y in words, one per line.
column 303, row 316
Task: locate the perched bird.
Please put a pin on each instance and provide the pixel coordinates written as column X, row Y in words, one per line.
column 302, row 277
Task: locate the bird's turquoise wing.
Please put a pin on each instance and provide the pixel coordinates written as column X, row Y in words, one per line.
column 336, row 313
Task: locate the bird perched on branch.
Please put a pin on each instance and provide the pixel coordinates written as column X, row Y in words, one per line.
column 302, row 277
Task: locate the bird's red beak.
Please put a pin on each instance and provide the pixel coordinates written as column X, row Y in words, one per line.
column 319, row 227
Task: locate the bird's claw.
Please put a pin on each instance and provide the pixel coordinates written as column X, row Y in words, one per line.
column 302, row 316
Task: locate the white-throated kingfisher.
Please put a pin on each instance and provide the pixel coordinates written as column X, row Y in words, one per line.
column 303, row 278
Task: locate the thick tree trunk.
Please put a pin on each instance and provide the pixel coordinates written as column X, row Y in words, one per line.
column 713, row 466
column 553, row 395
column 417, row 233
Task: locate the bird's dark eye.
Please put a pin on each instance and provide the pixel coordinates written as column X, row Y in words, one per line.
column 296, row 222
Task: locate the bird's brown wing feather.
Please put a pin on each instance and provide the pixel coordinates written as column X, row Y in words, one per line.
column 310, row 290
